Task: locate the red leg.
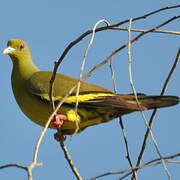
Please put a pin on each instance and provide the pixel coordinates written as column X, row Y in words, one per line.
column 59, row 120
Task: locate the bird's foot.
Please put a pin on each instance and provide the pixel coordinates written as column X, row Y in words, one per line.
column 58, row 120
column 59, row 137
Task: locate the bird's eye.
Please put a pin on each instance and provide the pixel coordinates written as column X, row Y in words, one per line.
column 21, row 47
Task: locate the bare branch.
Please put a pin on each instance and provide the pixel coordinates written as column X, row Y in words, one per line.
column 144, row 30
column 155, row 110
column 148, row 14
column 13, row 165
column 125, row 45
column 26, row 168
column 142, row 114
column 83, row 66
column 121, row 123
column 153, row 162
column 70, row 162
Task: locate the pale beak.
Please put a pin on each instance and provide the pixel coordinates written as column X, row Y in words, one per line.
column 8, row 50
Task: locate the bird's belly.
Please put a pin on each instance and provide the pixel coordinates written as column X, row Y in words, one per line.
column 35, row 109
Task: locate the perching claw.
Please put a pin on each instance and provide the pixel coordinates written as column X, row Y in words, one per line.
column 58, row 120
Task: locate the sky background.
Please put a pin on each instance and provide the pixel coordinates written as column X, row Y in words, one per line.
column 48, row 27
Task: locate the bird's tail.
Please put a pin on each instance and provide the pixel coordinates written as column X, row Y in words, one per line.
column 151, row 102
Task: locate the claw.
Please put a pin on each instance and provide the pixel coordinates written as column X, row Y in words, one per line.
column 58, row 120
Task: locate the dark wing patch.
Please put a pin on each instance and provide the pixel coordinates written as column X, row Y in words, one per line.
column 112, row 101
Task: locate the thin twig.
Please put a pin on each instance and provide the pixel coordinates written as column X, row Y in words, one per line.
column 120, row 118
column 129, row 65
column 139, row 105
column 121, row 121
column 147, row 164
column 26, row 168
column 70, row 162
column 83, row 66
column 113, row 77
column 13, row 165
column 51, row 90
column 155, row 110
column 126, row 144
column 166, row 83
column 106, row 60
column 144, row 30
column 147, row 15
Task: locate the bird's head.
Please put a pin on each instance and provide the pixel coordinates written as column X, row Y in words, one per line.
column 17, row 50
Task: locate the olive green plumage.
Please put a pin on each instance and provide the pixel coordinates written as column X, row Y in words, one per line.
column 96, row 104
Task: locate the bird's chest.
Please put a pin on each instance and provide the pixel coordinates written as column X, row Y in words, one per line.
column 35, row 109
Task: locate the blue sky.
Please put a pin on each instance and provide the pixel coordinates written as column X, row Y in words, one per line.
column 48, row 27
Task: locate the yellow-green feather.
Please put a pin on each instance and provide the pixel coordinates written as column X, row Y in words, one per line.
column 96, row 104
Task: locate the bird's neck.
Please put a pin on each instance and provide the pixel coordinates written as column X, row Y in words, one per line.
column 22, row 71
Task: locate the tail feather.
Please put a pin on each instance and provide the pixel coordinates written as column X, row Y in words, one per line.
column 151, row 102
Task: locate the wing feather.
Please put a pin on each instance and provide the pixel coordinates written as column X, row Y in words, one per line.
column 90, row 95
